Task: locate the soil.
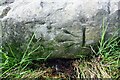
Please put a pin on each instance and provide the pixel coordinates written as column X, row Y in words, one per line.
column 57, row 68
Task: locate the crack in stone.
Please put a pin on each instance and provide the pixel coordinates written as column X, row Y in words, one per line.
column 83, row 31
column 41, row 4
column 68, row 32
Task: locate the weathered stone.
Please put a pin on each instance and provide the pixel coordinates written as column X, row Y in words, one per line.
column 71, row 24
column 0, row 34
column 4, row 2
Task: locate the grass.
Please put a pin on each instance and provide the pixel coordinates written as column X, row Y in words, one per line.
column 16, row 58
column 17, row 61
column 106, row 62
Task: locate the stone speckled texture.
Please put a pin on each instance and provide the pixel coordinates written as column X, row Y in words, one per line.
column 72, row 24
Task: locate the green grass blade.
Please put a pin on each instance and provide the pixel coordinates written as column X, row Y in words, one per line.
column 28, row 46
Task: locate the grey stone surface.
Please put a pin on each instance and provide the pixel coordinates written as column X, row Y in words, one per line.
column 72, row 24
column 4, row 2
column 0, row 35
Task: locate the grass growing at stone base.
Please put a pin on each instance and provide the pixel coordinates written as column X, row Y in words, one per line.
column 16, row 58
column 104, row 64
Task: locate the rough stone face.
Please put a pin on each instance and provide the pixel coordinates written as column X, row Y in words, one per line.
column 72, row 24
column 4, row 2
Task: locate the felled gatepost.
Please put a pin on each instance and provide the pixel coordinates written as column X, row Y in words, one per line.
column 71, row 26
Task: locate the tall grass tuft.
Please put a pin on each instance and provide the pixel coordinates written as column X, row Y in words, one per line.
column 17, row 58
column 109, row 51
column 107, row 62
